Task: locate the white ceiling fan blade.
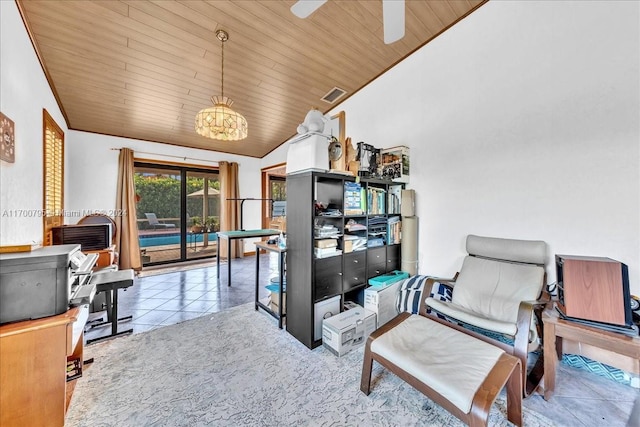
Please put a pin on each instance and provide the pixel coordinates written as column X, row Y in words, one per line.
column 304, row 8
column 393, row 20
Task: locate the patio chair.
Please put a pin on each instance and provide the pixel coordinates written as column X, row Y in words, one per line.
column 155, row 223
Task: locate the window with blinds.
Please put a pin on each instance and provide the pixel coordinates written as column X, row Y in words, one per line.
column 53, row 175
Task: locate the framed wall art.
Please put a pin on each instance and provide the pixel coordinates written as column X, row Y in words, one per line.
column 7, row 139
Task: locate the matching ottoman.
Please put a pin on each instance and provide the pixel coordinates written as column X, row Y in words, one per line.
column 461, row 373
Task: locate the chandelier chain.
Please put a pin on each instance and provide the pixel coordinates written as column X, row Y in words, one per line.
column 222, row 68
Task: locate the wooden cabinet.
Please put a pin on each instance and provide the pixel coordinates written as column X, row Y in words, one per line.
column 33, row 368
column 317, row 201
column 355, row 270
column 327, row 280
column 382, row 260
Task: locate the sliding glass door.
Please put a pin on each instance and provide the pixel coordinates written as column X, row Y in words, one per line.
column 178, row 212
column 203, row 213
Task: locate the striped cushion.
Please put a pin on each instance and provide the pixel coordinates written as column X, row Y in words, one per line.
column 408, row 297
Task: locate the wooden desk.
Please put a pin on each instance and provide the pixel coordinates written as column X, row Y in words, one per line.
column 33, row 364
column 281, row 252
column 233, row 235
column 556, row 328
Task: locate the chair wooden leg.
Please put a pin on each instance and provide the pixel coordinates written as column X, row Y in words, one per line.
column 367, row 365
column 514, row 396
column 534, row 377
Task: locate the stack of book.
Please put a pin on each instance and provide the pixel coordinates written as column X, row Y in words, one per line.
column 353, row 226
column 326, row 252
column 393, row 204
column 377, row 231
column 352, row 243
column 393, row 230
column 330, row 212
column 326, row 231
column 376, row 198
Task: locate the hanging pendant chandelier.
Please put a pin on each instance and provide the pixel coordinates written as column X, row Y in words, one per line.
column 220, row 121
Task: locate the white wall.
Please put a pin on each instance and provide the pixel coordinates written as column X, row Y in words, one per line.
column 523, row 122
column 92, row 172
column 24, row 92
column 277, row 156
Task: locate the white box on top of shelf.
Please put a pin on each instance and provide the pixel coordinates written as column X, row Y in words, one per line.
column 323, row 310
column 308, row 152
column 348, row 330
column 395, row 163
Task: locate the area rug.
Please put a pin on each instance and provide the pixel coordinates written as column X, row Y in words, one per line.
column 236, row 368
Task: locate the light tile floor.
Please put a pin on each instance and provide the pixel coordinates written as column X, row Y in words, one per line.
column 581, row 399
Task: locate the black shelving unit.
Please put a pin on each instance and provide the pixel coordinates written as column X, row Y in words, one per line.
column 312, row 280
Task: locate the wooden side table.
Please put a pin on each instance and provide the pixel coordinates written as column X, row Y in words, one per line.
column 556, row 328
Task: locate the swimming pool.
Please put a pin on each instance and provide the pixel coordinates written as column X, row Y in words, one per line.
column 172, row 239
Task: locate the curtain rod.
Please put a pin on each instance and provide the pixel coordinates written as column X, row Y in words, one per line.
column 170, row 155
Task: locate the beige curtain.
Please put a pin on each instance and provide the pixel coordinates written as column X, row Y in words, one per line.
column 229, row 209
column 127, row 228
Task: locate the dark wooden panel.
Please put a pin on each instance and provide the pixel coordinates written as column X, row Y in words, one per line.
column 376, row 261
column 328, row 277
column 355, row 269
column 299, row 258
column 393, row 258
column 330, row 192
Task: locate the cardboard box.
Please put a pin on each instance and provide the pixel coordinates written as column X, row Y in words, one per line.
column 348, row 330
column 326, row 243
column 382, row 302
column 273, row 302
column 323, row 310
column 395, row 163
column 274, row 292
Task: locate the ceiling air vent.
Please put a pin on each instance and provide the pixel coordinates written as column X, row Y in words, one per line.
column 333, row 95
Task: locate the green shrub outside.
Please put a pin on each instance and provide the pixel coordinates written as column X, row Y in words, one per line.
column 161, row 195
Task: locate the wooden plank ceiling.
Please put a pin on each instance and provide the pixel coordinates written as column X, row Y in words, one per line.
column 143, row 69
